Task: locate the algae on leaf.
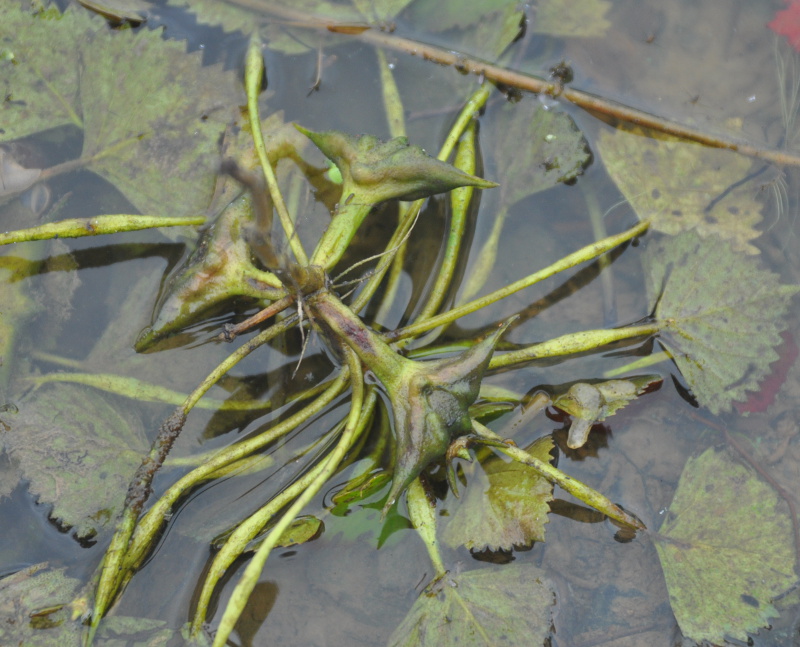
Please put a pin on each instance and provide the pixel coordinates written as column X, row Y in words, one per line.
column 506, row 605
column 720, row 315
column 505, row 506
column 151, row 114
column 77, row 451
column 682, row 186
column 43, row 607
column 727, row 549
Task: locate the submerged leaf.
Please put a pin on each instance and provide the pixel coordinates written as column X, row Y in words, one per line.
column 152, row 115
column 506, row 506
column 720, row 315
column 488, row 26
column 536, row 149
column 585, row 18
column 727, row 549
column 682, row 186
column 78, row 452
column 592, row 403
column 506, row 605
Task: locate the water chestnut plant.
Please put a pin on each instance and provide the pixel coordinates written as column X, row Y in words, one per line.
column 402, row 411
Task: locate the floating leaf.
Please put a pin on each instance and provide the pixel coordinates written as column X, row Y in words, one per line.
column 585, row 18
column 720, row 315
column 78, row 453
column 727, row 549
column 505, row 506
column 152, row 115
column 682, row 186
column 506, row 605
column 592, row 403
column 42, row 607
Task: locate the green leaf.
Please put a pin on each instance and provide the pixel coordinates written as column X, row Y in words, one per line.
column 506, row 506
column 536, row 149
column 727, row 549
column 720, row 315
column 682, row 186
column 24, row 595
column 44, row 608
column 374, row 171
column 152, row 115
column 592, row 403
column 303, row 529
column 586, row 18
column 78, row 453
column 506, row 605
column 40, row 83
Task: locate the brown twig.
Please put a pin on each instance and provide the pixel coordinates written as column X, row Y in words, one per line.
column 230, row 331
column 528, row 82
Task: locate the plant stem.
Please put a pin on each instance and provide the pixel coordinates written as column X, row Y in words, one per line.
column 249, row 579
column 579, row 342
column 254, row 72
column 422, row 512
column 112, row 572
column 577, row 489
column 584, row 254
column 150, row 524
column 460, row 200
column 136, row 389
column 99, row 225
column 246, row 531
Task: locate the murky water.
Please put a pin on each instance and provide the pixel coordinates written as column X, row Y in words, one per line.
column 713, row 65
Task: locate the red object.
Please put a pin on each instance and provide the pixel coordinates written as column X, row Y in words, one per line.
column 787, row 354
column 787, row 23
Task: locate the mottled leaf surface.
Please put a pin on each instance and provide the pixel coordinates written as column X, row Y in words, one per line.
column 506, row 605
column 586, row 18
column 726, row 548
column 720, row 313
column 42, row 607
column 152, row 115
column 682, row 186
column 505, row 505
column 78, row 453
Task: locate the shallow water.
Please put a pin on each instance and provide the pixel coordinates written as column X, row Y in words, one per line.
column 712, row 65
